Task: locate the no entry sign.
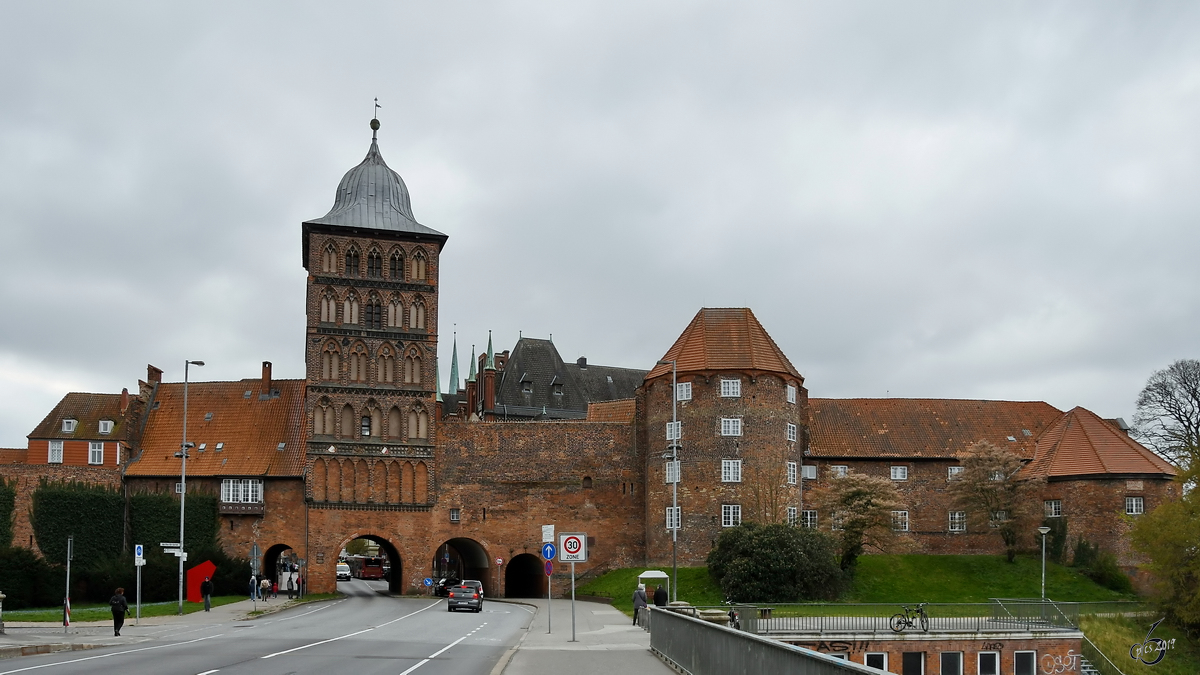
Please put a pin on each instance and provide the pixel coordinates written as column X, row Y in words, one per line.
column 572, row 547
column 549, row 568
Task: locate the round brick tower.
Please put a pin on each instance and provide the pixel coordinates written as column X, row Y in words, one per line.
column 743, row 415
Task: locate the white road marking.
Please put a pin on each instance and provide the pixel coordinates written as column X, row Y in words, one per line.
column 209, row 672
column 442, row 650
column 297, row 616
column 105, row 656
column 343, row 637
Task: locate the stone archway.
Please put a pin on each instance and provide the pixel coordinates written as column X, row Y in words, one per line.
column 464, row 558
column 395, row 577
column 279, row 563
column 525, row 577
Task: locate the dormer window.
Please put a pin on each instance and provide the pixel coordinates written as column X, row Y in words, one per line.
column 558, row 390
column 68, row 426
column 526, row 387
column 106, row 427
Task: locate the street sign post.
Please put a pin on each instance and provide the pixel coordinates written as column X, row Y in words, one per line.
column 549, row 568
column 138, row 562
column 548, row 551
column 547, row 533
column 572, row 548
column 428, row 582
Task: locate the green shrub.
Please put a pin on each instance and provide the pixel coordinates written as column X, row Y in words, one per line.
column 775, row 563
column 160, row 575
column 1100, row 566
column 8, row 500
column 94, row 515
column 1056, row 539
column 29, row 581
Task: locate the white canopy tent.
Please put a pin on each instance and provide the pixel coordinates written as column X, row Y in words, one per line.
column 657, row 575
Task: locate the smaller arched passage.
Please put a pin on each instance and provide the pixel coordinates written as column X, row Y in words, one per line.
column 279, row 563
column 463, row 558
column 395, row 576
column 525, row 577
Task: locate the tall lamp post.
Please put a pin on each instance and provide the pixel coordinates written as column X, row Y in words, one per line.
column 674, row 484
column 183, row 455
column 1044, row 530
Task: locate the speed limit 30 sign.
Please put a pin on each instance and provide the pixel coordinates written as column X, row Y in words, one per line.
column 572, row 547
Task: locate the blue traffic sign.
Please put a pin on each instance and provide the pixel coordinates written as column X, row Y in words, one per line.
column 549, row 568
column 548, row 551
column 428, row 581
column 137, row 551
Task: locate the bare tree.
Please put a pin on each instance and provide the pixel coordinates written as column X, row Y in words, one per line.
column 770, row 494
column 1168, row 413
column 859, row 509
column 995, row 495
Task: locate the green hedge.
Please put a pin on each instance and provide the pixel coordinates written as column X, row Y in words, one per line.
column 93, row 514
column 28, row 580
column 8, row 500
column 154, row 518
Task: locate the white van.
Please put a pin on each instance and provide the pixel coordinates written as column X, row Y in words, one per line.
column 343, row 572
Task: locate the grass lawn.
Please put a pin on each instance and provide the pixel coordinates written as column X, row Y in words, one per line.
column 1114, row 635
column 695, row 586
column 97, row 612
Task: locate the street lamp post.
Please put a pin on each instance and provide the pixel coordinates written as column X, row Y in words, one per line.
column 674, row 484
column 183, row 455
column 1044, row 530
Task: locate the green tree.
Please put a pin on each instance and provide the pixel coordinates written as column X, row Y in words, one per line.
column 1168, row 535
column 860, row 513
column 775, row 563
column 357, row 547
column 996, row 496
column 1168, row 412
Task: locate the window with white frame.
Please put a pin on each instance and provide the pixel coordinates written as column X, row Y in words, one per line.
column 671, row 471
column 178, row 488
column 808, row 472
column 835, row 522
column 683, row 391
column 838, row 471
column 731, row 471
column 731, row 426
column 731, row 388
column 1025, row 663
column 55, row 454
column 998, row 518
column 808, row 518
column 673, row 517
column 674, row 430
column 793, row 515
column 997, row 476
column 455, row 515
column 876, row 660
column 1053, row 508
column 954, row 473
column 791, row 393
column 791, row 432
column 900, row 521
column 1135, row 506
column 958, row 521
column 952, row 663
column 989, row 663
column 899, row 473
column 95, row 452
column 106, row 427
column 241, row 491
column 731, row 515
column 68, row 426
column 791, row 473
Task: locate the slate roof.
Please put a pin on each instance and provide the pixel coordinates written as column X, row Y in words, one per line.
column 725, row 339
column 924, row 428
column 250, row 429
column 537, row 363
column 612, row 411
column 1080, row 443
column 87, row 410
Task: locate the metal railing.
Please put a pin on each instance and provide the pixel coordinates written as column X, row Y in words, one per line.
column 1097, row 658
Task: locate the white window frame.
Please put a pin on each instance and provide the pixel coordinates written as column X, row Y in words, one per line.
column 673, row 517
column 731, row 388
column 808, row 518
column 793, row 516
column 241, row 491
column 683, row 391
column 808, row 471
column 106, row 427
column 1135, row 506
column 671, row 472
column 942, row 663
column 792, row 474
column 838, row 471
column 791, row 393
column 899, row 472
column 998, row 517
column 958, row 521
column 731, row 426
column 870, row 654
column 731, row 515
column 979, row 663
column 954, row 472
column 54, row 453
column 674, row 431
column 96, row 452
column 1017, row 653
column 841, row 656
column 455, row 515
column 1052, row 508
column 900, row 521
column 178, row 488
column 791, row 432
column 731, row 471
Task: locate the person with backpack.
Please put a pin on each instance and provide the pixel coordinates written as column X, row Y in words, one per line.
column 639, row 601
column 206, row 589
column 119, row 607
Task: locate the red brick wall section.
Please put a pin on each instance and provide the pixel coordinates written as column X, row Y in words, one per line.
column 28, row 478
column 1095, row 509
column 1054, row 654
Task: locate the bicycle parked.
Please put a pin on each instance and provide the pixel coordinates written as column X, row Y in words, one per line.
column 910, row 617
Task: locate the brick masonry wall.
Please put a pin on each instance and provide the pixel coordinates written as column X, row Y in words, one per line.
column 1052, row 652
column 1095, row 509
column 28, row 478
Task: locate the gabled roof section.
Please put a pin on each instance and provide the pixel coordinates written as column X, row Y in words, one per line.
column 87, row 410
column 924, row 428
column 725, row 339
column 232, row 415
column 1080, row 443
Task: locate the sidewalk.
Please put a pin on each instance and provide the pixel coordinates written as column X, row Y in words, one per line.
column 607, row 643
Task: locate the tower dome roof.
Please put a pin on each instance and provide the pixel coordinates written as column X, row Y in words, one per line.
column 373, row 196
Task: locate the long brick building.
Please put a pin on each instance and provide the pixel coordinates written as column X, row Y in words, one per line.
column 366, row 445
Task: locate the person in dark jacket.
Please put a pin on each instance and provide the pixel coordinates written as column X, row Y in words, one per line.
column 291, row 587
column 639, row 601
column 120, row 607
column 206, row 589
column 660, row 596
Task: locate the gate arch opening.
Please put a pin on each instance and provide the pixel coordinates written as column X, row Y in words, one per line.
column 463, row 558
column 278, row 563
column 525, row 577
column 395, row 572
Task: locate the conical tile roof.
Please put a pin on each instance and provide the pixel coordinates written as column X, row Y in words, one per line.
column 725, row 339
column 1080, row 443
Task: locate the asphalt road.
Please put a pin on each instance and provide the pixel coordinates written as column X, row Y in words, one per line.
column 365, row 633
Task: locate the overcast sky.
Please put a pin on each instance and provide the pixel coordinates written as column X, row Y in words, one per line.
column 966, row 200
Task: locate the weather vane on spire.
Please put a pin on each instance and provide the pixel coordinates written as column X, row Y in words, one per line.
column 375, row 120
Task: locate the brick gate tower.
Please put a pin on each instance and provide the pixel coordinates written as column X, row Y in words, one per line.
column 371, row 345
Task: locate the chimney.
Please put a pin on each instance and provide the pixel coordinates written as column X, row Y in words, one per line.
column 124, row 400
column 582, row 363
column 153, row 375
column 266, row 378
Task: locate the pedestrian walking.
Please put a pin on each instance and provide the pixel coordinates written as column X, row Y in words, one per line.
column 291, row 586
column 639, row 601
column 274, row 589
column 660, row 596
column 120, row 607
column 253, row 587
column 206, row 589
column 265, row 588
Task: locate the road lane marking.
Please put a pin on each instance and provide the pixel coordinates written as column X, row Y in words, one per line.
column 442, row 650
column 297, row 616
column 343, row 637
column 209, row 672
column 105, row 656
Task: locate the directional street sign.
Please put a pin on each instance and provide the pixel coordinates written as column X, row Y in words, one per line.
column 170, row 544
column 549, row 568
column 547, row 533
column 428, row 581
column 137, row 552
column 548, row 551
column 572, row 547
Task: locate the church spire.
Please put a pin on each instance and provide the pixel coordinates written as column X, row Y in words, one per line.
column 490, row 363
column 454, row 367
column 471, row 375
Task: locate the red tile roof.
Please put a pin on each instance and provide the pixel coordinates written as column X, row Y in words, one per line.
column 725, row 339
column 250, row 429
column 1080, row 443
column 13, row 455
column 87, row 410
column 612, row 411
column 902, row 427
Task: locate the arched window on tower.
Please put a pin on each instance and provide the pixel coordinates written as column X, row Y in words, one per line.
column 416, row 315
column 376, row 423
column 374, row 314
column 347, row 421
column 395, row 314
column 350, row 309
column 352, row 263
column 395, row 426
column 412, row 368
column 374, row 264
column 358, row 364
column 418, row 424
column 397, row 271
column 418, row 266
column 387, row 366
column 328, row 308
column 329, row 260
column 330, row 362
column 322, row 418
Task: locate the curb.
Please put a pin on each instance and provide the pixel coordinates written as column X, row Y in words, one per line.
column 30, row 650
